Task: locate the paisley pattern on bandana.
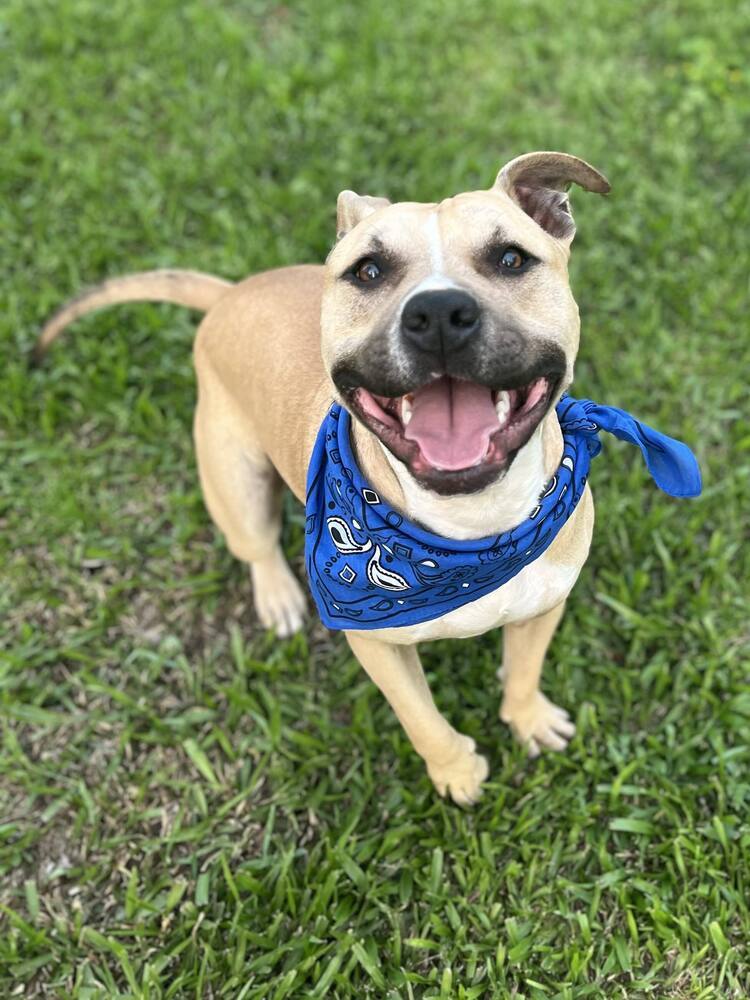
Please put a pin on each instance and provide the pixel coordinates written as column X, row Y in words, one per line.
column 370, row 568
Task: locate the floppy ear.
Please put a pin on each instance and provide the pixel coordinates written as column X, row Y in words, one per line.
column 537, row 182
column 351, row 208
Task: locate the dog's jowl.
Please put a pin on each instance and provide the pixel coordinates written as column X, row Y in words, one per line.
column 412, row 392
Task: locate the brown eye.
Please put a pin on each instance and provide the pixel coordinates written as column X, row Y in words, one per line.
column 513, row 259
column 367, row 270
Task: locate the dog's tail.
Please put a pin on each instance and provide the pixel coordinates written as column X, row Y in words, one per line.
column 184, row 288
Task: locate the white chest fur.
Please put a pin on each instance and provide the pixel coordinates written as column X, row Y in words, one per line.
column 537, row 588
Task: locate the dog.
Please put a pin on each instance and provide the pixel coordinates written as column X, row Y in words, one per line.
column 449, row 333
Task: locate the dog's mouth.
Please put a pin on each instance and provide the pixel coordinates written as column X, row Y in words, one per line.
column 456, row 436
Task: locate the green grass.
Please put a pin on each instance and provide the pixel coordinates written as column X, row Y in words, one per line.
column 189, row 808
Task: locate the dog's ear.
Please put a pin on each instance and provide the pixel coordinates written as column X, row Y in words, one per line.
column 537, row 182
column 351, row 208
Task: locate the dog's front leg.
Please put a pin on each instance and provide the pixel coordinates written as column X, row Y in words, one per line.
column 535, row 721
column 451, row 758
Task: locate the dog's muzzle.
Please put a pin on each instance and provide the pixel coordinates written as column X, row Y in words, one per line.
column 459, row 399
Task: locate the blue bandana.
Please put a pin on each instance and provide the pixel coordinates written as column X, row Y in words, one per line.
column 370, row 568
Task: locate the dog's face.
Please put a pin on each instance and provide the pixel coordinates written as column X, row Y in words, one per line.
column 449, row 329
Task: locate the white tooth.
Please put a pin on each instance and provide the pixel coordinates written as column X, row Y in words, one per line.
column 405, row 412
column 502, row 407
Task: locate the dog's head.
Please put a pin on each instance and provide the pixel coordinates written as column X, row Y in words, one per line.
column 450, row 329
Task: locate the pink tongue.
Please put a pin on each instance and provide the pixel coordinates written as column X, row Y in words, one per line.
column 452, row 422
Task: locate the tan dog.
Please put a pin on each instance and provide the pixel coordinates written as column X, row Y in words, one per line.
column 450, row 332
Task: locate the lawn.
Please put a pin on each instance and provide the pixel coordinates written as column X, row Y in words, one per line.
column 190, row 808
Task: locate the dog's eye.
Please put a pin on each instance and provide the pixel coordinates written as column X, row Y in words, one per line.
column 513, row 259
column 367, row 270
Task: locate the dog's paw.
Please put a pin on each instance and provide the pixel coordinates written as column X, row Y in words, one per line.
column 462, row 776
column 279, row 600
column 538, row 723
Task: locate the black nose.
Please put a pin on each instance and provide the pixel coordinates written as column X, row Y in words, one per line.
column 440, row 321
